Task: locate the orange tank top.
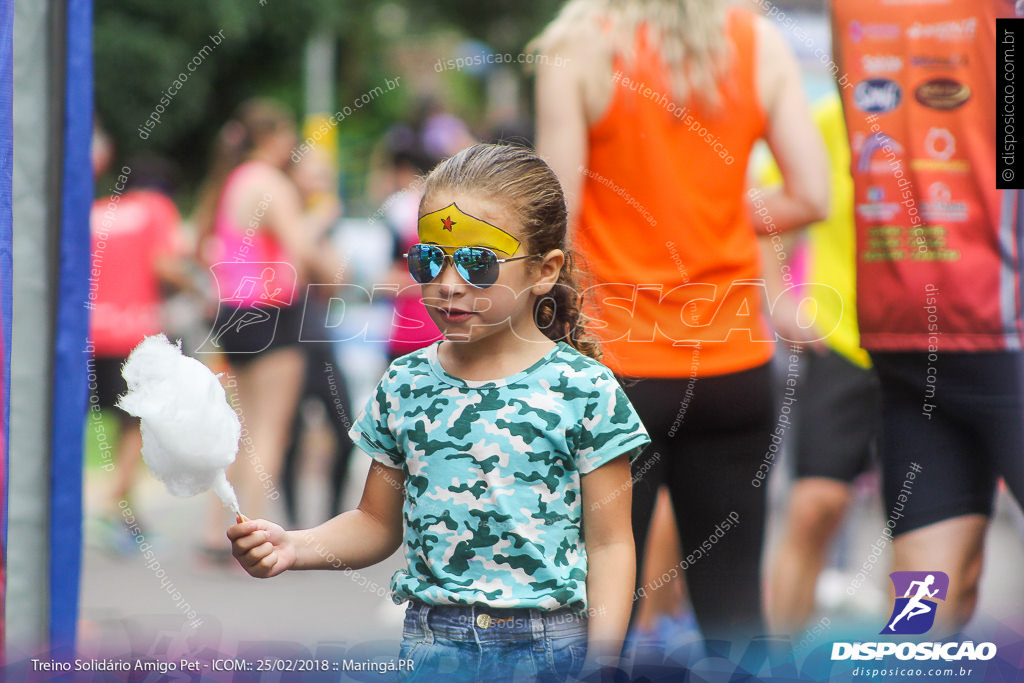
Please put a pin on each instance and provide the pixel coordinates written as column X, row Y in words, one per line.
column 664, row 229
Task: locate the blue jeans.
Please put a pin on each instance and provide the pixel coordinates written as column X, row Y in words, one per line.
column 478, row 643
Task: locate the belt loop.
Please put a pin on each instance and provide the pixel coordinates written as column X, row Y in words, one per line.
column 425, row 623
column 537, row 624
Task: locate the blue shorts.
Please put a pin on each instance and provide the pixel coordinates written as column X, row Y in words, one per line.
column 478, row 643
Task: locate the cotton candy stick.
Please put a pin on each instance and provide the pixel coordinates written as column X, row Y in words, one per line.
column 222, row 487
column 189, row 431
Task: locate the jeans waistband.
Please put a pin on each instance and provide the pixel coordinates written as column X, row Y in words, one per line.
column 480, row 623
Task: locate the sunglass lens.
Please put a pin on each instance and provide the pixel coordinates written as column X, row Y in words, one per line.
column 478, row 267
column 425, row 262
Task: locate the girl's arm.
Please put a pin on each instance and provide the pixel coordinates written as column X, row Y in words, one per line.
column 611, row 558
column 353, row 540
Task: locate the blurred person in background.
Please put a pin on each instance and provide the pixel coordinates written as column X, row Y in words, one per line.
column 938, row 280
column 429, row 135
column 137, row 251
column 649, row 119
column 262, row 249
column 834, row 436
column 407, row 152
column 407, row 163
column 315, row 178
column 439, row 132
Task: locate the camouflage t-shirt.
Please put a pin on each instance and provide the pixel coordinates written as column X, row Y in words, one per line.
column 492, row 499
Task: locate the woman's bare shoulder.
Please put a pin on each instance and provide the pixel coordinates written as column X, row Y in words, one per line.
column 776, row 62
column 583, row 58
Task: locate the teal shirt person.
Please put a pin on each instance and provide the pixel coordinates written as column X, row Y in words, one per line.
column 493, row 510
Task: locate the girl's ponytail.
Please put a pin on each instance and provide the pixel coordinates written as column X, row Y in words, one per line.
column 559, row 313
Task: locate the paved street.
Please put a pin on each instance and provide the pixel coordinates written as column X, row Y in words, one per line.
column 125, row 606
column 120, row 593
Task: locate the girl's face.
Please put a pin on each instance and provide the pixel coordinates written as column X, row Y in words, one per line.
column 465, row 313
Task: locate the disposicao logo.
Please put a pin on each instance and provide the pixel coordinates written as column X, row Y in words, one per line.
column 913, row 613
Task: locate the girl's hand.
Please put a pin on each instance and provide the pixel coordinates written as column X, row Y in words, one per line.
column 263, row 548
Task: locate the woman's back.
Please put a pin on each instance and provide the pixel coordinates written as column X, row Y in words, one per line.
column 249, row 246
column 662, row 205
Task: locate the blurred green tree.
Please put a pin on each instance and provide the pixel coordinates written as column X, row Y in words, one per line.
column 141, row 47
column 505, row 25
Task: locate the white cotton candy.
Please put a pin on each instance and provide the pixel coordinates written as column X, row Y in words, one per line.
column 189, row 431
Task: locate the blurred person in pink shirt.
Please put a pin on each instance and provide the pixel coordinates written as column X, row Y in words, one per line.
column 137, row 250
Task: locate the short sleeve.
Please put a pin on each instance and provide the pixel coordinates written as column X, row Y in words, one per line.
column 610, row 426
column 371, row 432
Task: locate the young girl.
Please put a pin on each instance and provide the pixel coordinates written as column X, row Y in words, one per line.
column 504, row 448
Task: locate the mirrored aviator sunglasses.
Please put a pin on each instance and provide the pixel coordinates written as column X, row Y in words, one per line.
column 478, row 266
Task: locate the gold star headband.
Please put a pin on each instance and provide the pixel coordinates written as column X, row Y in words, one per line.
column 451, row 226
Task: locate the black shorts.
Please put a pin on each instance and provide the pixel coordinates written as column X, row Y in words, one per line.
column 105, row 372
column 839, row 408
column 953, row 423
column 247, row 333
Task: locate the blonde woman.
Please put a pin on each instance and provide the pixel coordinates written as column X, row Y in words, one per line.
column 648, row 110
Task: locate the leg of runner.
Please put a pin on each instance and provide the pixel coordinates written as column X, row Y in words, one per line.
column 938, row 476
column 816, row 508
column 662, row 556
column 834, row 437
column 954, row 546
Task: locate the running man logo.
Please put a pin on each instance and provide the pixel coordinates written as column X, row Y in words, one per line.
column 250, row 298
column 914, row 612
